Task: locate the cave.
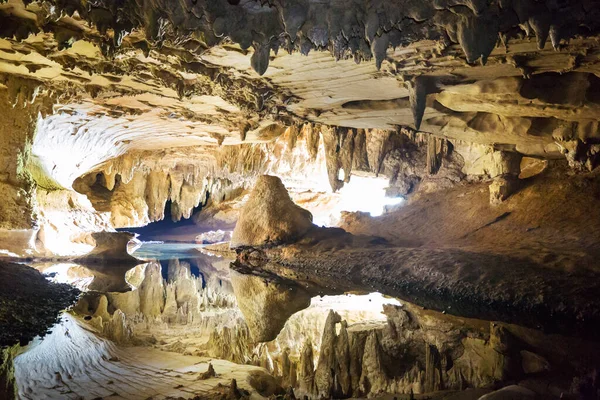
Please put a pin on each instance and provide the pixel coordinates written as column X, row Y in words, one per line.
column 300, row 199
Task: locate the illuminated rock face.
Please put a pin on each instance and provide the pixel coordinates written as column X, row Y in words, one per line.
column 157, row 124
column 270, row 217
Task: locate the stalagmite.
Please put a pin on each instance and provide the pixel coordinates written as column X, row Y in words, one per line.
column 324, row 374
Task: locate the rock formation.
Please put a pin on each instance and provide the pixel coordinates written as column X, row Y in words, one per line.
column 270, row 217
column 267, row 304
column 110, row 246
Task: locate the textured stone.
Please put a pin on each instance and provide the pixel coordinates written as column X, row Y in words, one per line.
column 512, row 392
column 533, row 363
column 270, row 217
column 501, row 188
column 267, row 304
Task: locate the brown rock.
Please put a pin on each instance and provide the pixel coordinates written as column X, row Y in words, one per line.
column 264, row 383
column 533, row 363
column 209, row 373
column 267, row 305
column 270, row 216
column 501, row 188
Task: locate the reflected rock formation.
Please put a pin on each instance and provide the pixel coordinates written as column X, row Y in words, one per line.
column 109, row 261
column 267, row 302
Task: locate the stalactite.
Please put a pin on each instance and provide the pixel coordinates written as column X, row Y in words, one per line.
column 417, row 91
column 339, row 153
column 435, row 152
column 342, row 367
column 152, row 297
column 373, row 378
column 377, row 147
column 324, row 374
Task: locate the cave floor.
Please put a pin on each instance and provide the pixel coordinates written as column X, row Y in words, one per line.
column 548, row 221
column 73, row 362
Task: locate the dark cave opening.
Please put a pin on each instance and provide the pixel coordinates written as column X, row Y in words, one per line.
column 167, row 230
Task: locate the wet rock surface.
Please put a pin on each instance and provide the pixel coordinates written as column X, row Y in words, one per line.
column 318, row 350
column 30, row 304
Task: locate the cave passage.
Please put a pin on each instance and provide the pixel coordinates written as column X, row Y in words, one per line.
column 167, row 230
column 300, row 199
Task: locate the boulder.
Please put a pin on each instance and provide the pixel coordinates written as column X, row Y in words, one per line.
column 270, row 217
column 512, row 392
column 110, row 246
column 533, row 363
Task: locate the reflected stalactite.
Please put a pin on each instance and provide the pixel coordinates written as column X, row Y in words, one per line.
column 329, row 346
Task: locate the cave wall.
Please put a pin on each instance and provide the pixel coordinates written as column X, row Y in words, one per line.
column 146, row 98
column 17, row 211
column 135, row 187
column 18, row 208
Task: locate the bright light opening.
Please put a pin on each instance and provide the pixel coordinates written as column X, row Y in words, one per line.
column 361, row 194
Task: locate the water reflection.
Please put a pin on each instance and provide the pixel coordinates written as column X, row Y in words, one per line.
column 109, row 277
column 167, row 251
column 267, row 302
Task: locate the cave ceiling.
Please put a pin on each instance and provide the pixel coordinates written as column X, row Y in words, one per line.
column 146, row 75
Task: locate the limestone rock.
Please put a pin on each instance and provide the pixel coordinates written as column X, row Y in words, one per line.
column 110, row 246
column 501, row 189
column 533, row 363
column 342, row 368
column 306, row 371
column 210, row 373
column 266, row 304
column 102, row 309
column 8, row 384
column 264, row 383
column 152, row 292
column 512, row 392
column 118, row 329
column 270, row 217
column 325, row 372
column 374, row 377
